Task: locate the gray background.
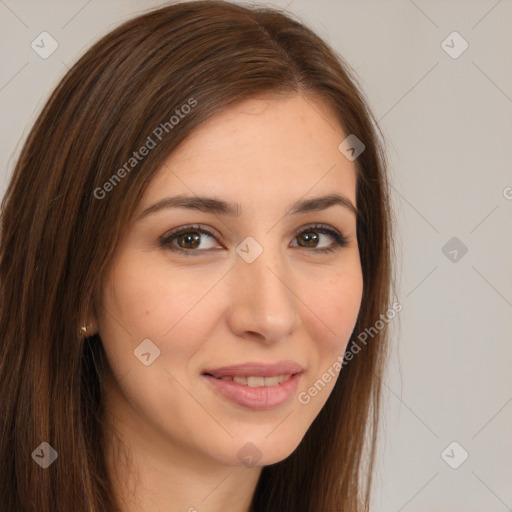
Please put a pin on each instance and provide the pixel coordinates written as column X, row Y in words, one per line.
column 448, row 127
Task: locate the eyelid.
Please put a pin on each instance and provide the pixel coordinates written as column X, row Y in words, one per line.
column 163, row 240
column 338, row 236
column 340, row 240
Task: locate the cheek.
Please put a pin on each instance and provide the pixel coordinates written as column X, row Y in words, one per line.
column 336, row 303
column 154, row 303
column 170, row 307
column 335, row 307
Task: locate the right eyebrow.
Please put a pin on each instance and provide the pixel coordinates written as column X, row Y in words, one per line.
column 219, row 207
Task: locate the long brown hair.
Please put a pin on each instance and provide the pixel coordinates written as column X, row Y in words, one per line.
column 58, row 237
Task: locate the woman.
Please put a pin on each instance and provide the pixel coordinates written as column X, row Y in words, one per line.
column 195, row 236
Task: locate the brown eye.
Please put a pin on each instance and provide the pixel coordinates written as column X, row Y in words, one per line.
column 313, row 236
column 189, row 240
column 310, row 238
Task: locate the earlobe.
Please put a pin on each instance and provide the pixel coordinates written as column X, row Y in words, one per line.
column 88, row 327
column 87, row 330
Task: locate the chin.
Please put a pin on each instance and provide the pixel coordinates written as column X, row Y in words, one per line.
column 262, row 451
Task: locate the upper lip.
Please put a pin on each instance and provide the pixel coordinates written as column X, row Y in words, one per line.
column 257, row 369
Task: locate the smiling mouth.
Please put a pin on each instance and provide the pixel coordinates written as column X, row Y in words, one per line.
column 256, row 385
column 256, row 392
column 254, row 381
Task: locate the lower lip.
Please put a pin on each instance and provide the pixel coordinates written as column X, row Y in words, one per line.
column 260, row 398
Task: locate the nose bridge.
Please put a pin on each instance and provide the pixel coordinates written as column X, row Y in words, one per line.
column 263, row 301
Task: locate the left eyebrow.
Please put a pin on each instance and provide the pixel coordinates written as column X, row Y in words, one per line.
column 322, row 203
column 219, row 207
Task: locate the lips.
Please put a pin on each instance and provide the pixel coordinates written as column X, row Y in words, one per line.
column 256, row 370
column 256, row 385
column 255, row 381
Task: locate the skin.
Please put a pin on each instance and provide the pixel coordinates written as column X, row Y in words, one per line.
column 215, row 309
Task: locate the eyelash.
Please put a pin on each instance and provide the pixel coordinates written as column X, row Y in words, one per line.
column 165, row 241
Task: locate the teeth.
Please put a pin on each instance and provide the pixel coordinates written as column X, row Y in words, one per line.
column 257, row 382
column 271, row 381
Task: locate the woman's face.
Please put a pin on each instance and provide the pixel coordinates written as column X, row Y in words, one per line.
column 214, row 333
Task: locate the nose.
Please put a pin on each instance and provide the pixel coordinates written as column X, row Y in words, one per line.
column 263, row 305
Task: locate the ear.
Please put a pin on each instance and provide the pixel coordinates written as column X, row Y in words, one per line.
column 89, row 326
column 87, row 329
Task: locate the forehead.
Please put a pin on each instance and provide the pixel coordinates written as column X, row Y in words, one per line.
column 260, row 149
